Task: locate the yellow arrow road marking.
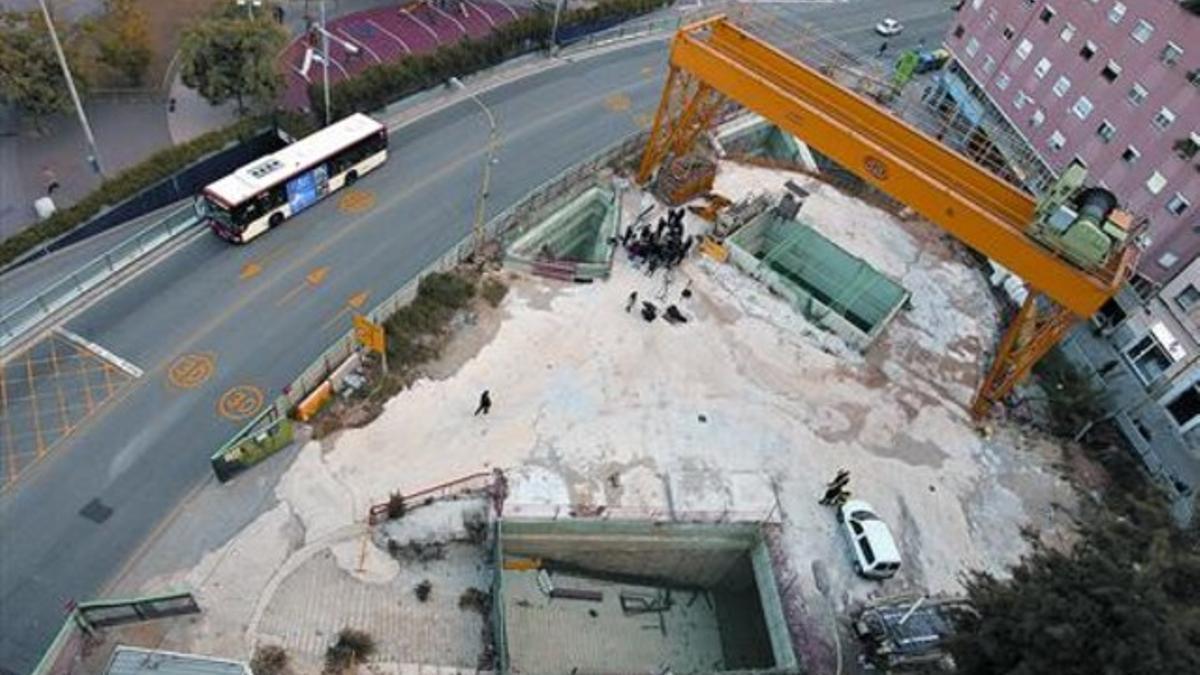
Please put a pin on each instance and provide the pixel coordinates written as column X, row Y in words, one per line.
column 311, row 280
column 250, row 270
column 353, row 303
column 255, row 267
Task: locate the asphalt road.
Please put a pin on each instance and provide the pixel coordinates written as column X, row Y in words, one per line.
column 143, row 452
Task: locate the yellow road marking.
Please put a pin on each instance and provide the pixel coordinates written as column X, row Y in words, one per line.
column 37, row 424
column 643, row 120
column 353, row 303
column 618, row 102
column 255, row 267
column 240, row 402
column 62, row 402
column 10, row 448
column 107, row 379
column 356, row 201
column 648, row 71
column 311, row 280
column 250, row 270
column 87, row 385
column 191, row 370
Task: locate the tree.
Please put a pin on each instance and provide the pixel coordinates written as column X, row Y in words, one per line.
column 1124, row 601
column 122, row 39
column 227, row 58
column 30, row 76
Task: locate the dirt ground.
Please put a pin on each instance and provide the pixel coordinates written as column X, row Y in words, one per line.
column 743, row 412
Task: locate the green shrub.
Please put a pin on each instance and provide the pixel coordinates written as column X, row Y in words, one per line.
column 493, row 291
column 269, row 660
column 352, row 647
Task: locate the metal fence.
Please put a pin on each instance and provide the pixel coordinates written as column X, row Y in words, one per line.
column 93, row 274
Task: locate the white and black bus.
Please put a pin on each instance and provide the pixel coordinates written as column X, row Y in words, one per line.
column 271, row 189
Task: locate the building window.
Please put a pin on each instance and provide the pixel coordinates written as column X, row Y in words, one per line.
column 959, row 31
column 1008, row 32
column 1056, row 141
column 1148, row 359
column 1111, row 71
column 1164, row 118
column 989, row 65
column 1037, row 119
column 1082, row 108
column 1042, row 68
column 1130, row 155
column 1003, row 81
column 1021, row 100
column 1185, row 409
column 1142, row 31
column 1062, row 86
column 1155, row 183
column 1047, row 14
column 1178, row 204
column 1187, row 148
column 1116, row 12
column 1137, row 94
column 1170, row 54
column 972, row 47
column 1067, row 33
column 1088, row 50
column 1024, row 49
column 1106, row 131
column 1167, row 260
column 1188, row 298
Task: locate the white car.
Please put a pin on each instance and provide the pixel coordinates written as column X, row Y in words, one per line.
column 871, row 543
column 889, row 27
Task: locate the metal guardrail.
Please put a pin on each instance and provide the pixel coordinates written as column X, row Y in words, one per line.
column 93, row 274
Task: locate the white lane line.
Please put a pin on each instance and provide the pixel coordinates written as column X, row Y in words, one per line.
column 392, row 35
column 360, row 43
column 487, row 17
column 510, row 9
column 456, row 21
column 103, row 353
column 420, row 23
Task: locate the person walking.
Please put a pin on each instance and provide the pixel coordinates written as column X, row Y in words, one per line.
column 632, row 301
column 485, row 403
column 882, row 48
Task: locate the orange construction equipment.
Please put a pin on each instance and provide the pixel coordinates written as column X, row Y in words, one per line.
column 714, row 61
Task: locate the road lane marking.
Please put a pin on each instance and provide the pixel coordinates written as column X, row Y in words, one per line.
column 240, row 402
column 311, row 280
column 191, row 370
column 62, row 401
column 87, row 384
column 356, row 201
column 120, row 363
column 250, row 270
column 37, row 424
column 353, row 303
column 618, row 102
column 10, row 452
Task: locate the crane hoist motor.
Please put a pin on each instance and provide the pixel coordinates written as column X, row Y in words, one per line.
column 1081, row 223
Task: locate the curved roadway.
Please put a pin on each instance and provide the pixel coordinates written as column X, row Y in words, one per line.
column 141, row 453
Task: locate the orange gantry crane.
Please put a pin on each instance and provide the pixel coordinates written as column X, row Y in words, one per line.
column 715, row 61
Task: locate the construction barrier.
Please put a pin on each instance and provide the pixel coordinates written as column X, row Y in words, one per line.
column 265, row 435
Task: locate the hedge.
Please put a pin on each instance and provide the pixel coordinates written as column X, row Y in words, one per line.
column 147, row 173
column 379, row 85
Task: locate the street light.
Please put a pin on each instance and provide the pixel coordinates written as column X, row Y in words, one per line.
column 94, row 157
column 493, row 143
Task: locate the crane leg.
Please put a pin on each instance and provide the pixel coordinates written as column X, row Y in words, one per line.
column 686, row 109
column 1038, row 326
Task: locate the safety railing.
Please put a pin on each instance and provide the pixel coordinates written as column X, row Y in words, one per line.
column 663, row 514
column 645, row 27
column 91, row 275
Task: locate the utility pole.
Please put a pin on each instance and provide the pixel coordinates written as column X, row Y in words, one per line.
column 558, row 8
column 325, row 61
column 94, row 157
column 493, row 144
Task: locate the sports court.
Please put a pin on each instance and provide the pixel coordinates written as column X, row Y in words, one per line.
column 49, row 390
column 384, row 35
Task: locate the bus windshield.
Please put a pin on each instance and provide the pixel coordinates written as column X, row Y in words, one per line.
column 206, row 207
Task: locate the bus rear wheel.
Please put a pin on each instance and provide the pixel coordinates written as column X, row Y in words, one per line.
column 351, row 177
column 275, row 220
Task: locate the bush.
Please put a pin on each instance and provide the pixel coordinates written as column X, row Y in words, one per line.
column 475, row 600
column 269, row 660
column 412, row 328
column 423, row 590
column 352, row 647
column 493, row 291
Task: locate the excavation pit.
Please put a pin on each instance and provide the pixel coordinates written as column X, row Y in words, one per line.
column 576, row 241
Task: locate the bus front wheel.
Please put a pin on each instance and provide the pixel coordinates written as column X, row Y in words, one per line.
column 351, row 177
column 276, row 219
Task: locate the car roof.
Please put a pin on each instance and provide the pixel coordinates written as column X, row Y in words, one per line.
column 881, row 540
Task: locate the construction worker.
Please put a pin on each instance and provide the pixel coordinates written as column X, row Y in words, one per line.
column 485, row 403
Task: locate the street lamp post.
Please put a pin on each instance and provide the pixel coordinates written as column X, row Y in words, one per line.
column 558, row 7
column 492, row 146
column 94, row 157
column 325, row 63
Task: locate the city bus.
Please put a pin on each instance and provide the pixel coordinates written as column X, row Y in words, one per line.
column 273, row 188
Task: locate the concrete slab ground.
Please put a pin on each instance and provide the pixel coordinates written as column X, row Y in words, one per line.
column 745, row 407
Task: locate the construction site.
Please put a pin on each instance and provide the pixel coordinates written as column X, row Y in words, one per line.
column 801, row 272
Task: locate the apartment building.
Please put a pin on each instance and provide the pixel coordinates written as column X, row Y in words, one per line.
column 1113, row 85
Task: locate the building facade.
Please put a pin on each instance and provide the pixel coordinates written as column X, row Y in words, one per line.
column 1113, row 85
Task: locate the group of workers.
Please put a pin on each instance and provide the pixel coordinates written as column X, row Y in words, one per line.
column 661, row 246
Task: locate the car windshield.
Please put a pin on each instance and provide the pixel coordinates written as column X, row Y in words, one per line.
column 862, row 515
